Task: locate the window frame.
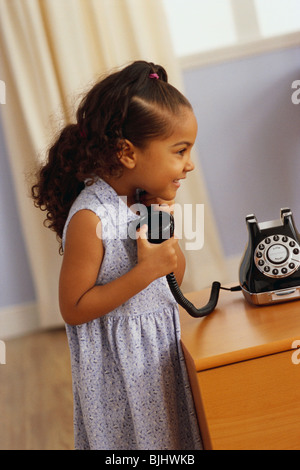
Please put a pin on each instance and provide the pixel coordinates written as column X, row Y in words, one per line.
column 250, row 40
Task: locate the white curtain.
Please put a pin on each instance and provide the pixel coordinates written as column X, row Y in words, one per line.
column 51, row 52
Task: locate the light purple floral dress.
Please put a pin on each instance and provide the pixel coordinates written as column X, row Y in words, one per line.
column 130, row 385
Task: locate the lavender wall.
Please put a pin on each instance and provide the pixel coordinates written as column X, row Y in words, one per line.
column 249, row 139
column 16, row 286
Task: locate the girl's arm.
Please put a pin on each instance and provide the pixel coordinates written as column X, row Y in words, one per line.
column 80, row 300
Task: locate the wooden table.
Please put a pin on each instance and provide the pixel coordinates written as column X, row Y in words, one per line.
column 244, row 370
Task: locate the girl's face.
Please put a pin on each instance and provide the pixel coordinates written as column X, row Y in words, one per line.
column 163, row 163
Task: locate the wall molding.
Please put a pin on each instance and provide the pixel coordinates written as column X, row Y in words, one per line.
column 240, row 51
column 18, row 320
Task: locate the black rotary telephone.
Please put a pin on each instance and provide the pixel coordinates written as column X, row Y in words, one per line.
column 160, row 228
column 270, row 268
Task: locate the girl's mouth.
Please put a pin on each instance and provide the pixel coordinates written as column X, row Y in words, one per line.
column 176, row 183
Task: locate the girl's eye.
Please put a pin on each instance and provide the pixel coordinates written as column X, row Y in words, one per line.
column 182, row 152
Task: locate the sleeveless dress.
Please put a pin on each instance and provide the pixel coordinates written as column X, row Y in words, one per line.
column 130, row 385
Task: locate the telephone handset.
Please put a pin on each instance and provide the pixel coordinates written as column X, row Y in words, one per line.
column 160, row 228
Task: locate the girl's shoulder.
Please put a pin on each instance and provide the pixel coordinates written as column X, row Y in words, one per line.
column 88, row 199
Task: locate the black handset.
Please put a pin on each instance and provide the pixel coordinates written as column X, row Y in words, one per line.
column 160, row 228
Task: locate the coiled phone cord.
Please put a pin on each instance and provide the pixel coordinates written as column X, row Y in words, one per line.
column 187, row 305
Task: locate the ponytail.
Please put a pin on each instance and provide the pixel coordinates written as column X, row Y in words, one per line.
column 58, row 181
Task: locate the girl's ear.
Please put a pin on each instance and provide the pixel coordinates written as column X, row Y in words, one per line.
column 127, row 154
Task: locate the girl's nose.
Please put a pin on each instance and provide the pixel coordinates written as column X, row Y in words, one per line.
column 189, row 165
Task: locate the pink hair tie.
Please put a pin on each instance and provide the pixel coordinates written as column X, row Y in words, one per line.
column 154, row 75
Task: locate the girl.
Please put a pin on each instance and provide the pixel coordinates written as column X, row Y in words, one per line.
column 134, row 131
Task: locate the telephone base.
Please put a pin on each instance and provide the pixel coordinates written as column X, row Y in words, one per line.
column 272, row 297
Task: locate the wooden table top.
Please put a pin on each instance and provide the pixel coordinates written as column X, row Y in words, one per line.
column 236, row 330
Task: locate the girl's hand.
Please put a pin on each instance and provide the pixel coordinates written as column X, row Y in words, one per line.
column 158, row 260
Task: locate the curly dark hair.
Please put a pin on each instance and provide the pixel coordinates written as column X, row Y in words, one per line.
column 126, row 104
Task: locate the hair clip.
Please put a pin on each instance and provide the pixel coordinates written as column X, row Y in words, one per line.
column 154, row 75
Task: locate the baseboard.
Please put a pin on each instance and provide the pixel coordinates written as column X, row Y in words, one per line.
column 18, row 320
